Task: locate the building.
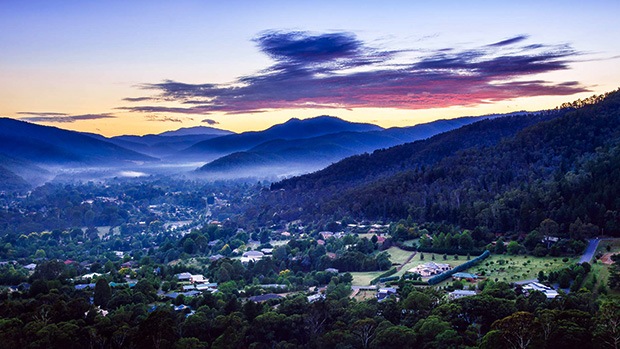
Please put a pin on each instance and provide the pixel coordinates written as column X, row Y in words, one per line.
column 456, row 294
column 385, row 293
column 265, row 297
column 253, row 256
column 465, row 276
column 184, row 276
column 430, row 269
column 197, row 279
column 535, row 286
column 315, row 297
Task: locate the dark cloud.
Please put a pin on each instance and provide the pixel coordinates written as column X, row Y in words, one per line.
column 138, row 99
column 511, row 41
column 210, row 121
column 337, row 70
column 52, row 117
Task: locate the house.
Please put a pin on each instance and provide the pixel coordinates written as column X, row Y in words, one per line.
column 84, row 286
column 267, row 250
column 326, row 234
column 316, row 297
column 30, row 266
column 465, row 276
column 207, row 287
column 184, row 276
column 535, row 286
column 215, row 257
column 385, row 293
column 430, row 269
column 189, row 287
column 331, row 270
column 252, row 256
column 89, row 276
column 278, row 286
column 320, row 242
column 197, row 279
column 456, row 294
column 265, row 297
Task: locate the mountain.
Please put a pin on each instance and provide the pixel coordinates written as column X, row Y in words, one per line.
column 166, row 143
column 29, row 151
column 50, row 145
column 290, row 130
column 197, row 130
column 10, row 181
column 562, row 165
column 288, row 157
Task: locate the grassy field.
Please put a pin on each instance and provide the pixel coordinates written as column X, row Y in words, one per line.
column 397, row 255
column 363, row 278
column 363, row 295
column 614, row 246
column 516, row 268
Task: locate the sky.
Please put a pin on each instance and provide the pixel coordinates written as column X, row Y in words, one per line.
column 141, row 67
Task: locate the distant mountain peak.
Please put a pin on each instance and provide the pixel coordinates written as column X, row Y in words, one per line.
column 197, row 130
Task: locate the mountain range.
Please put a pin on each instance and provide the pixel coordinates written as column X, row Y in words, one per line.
column 33, row 154
column 505, row 174
column 286, row 156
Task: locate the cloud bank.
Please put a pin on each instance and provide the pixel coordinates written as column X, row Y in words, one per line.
column 337, row 70
column 54, row 117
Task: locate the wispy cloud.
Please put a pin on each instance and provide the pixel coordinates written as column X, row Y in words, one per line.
column 161, row 118
column 337, row 70
column 54, row 117
column 210, row 122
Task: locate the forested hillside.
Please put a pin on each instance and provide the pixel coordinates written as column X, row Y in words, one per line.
column 564, row 168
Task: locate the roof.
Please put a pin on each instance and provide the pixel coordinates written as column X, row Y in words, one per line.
column 184, row 276
column 253, row 254
column 548, row 291
column 465, row 276
column 265, row 297
column 463, row 292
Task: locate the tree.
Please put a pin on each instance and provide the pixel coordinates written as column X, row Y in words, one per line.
column 499, row 246
column 364, row 331
column 465, row 240
column 103, row 293
column 518, row 330
column 514, row 248
column 158, row 329
column 394, row 337
column 608, row 324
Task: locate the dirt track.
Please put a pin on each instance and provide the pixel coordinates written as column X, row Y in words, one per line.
column 606, row 259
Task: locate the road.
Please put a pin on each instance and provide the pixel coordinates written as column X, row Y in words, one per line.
column 587, row 256
column 590, row 250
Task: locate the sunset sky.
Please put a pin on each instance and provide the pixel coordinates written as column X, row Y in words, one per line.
column 138, row 67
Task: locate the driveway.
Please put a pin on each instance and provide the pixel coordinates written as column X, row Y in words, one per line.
column 588, row 254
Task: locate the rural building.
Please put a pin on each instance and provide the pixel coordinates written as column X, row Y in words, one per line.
column 430, row 269
column 456, row 294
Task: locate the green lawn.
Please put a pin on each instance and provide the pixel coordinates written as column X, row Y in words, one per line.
column 614, row 246
column 363, row 278
column 397, row 255
column 516, row 268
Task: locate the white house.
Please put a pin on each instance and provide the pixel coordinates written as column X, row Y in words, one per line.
column 456, row 294
column 430, row 269
column 197, row 279
column 535, row 286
